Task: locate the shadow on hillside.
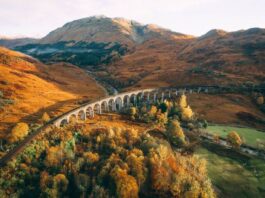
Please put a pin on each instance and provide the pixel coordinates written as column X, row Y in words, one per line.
column 67, row 77
column 53, row 110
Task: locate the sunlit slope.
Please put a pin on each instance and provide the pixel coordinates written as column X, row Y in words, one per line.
column 30, row 87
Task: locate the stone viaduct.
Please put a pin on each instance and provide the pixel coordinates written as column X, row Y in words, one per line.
column 111, row 103
column 121, row 101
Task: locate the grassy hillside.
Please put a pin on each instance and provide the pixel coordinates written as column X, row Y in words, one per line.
column 227, row 108
column 215, row 58
column 235, row 177
column 251, row 136
column 28, row 88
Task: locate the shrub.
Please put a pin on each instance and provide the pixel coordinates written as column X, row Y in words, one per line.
column 9, row 101
column 190, row 126
column 133, row 112
column 175, row 133
column 205, row 124
column 45, row 117
column 216, row 138
column 163, row 106
column 161, row 119
column 234, row 139
column 260, row 100
column 18, row 132
column 152, row 112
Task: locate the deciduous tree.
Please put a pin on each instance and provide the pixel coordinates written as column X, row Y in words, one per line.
column 234, row 139
column 18, row 132
column 45, row 117
column 175, row 133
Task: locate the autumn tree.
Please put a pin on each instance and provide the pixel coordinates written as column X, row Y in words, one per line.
column 183, row 101
column 175, row 133
column 45, row 117
column 186, row 111
column 133, row 112
column 152, row 112
column 18, row 132
column 54, row 156
column 126, row 185
column 90, row 157
column 60, row 182
column 136, row 162
column 161, row 118
column 234, row 139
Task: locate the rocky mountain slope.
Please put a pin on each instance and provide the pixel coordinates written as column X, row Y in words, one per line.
column 104, row 29
column 11, row 43
column 126, row 53
column 217, row 57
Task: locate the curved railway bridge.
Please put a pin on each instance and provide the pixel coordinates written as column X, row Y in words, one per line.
column 112, row 104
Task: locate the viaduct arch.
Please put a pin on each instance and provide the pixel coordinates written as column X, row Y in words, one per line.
column 116, row 103
column 121, row 101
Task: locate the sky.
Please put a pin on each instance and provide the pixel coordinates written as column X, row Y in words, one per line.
column 36, row 18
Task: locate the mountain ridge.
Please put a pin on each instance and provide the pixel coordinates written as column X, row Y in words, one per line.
column 105, row 29
column 127, row 53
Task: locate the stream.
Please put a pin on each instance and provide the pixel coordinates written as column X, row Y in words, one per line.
column 243, row 148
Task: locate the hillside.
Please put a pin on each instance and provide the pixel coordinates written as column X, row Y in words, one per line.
column 218, row 57
column 96, row 41
column 11, row 43
column 29, row 88
column 126, row 53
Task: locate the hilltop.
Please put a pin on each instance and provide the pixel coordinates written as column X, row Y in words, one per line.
column 127, row 53
column 105, row 29
column 14, row 42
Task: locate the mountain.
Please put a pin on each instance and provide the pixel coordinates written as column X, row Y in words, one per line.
column 29, row 87
column 218, row 57
column 14, row 42
column 96, row 41
column 126, row 53
column 103, row 29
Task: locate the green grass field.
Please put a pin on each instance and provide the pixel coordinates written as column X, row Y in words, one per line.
column 249, row 135
column 244, row 179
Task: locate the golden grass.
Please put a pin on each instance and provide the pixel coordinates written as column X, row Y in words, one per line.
column 223, row 108
column 37, row 88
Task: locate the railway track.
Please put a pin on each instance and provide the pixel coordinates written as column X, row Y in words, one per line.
column 207, row 89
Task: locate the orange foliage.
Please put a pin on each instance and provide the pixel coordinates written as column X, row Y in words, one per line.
column 234, row 139
column 18, row 132
column 90, row 157
column 55, row 156
column 126, row 185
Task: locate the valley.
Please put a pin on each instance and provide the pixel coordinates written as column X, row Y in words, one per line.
column 109, row 107
column 35, row 88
